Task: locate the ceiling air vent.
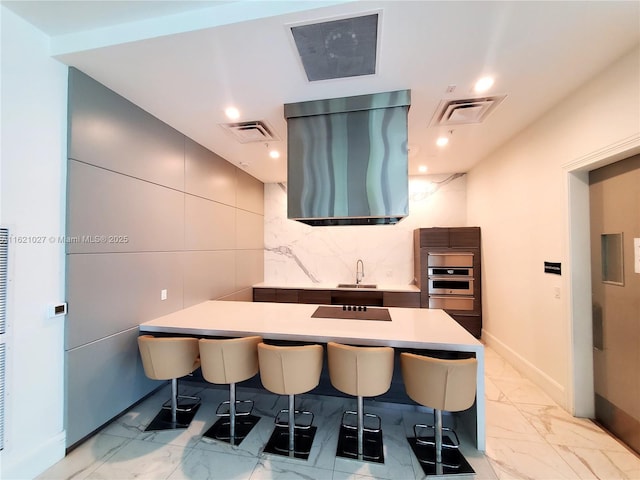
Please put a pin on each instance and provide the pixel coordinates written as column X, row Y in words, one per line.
column 465, row 111
column 248, row 132
column 341, row 48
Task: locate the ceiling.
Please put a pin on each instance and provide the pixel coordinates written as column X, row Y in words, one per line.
column 186, row 61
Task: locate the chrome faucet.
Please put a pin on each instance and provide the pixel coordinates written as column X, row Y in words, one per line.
column 359, row 271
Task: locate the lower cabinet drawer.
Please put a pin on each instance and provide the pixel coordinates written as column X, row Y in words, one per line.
column 321, row 297
column 451, row 302
column 401, row 299
column 264, row 294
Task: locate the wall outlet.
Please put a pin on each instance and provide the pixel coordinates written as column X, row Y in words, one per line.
column 163, row 294
column 636, row 255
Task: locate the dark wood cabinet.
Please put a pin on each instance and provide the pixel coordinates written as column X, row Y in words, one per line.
column 450, row 239
column 264, row 294
column 401, row 299
column 321, row 297
column 371, row 298
column 473, row 323
column 287, row 295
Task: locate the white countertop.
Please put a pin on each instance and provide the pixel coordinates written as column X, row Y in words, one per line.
column 416, row 328
column 408, row 328
column 334, row 286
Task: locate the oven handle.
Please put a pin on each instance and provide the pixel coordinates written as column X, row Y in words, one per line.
column 451, row 277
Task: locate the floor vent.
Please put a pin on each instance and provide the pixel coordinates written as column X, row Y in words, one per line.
column 465, row 111
column 248, row 132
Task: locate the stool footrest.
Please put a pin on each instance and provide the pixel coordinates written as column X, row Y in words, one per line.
column 222, row 412
column 365, row 416
column 299, row 414
column 183, row 406
column 430, row 439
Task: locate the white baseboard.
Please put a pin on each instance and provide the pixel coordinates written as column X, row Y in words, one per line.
column 551, row 387
column 32, row 463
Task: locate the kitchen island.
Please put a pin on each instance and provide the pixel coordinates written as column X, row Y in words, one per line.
column 409, row 328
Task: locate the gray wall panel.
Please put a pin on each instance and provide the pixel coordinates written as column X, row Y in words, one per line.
column 209, row 175
column 250, row 193
column 110, row 293
column 130, row 175
column 209, row 225
column 103, row 379
column 249, row 230
column 107, row 130
column 208, row 276
column 101, row 203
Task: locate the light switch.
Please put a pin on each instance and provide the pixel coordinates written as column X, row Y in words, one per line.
column 636, row 255
column 556, row 292
column 163, row 294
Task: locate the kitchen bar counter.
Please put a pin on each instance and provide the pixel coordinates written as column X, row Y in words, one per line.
column 411, row 328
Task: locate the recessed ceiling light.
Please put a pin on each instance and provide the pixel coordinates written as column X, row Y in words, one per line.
column 422, row 169
column 484, row 84
column 442, row 141
column 232, row 113
column 274, row 154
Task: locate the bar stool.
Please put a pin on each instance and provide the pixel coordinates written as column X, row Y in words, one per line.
column 169, row 358
column 361, row 372
column 440, row 384
column 291, row 370
column 227, row 362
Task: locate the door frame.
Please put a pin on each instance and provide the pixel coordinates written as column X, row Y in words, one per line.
column 581, row 394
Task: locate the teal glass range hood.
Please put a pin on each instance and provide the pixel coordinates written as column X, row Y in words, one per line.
column 347, row 160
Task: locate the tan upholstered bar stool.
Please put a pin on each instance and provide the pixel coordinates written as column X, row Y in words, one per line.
column 291, row 370
column 361, row 372
column 227, row 362
column 170, row 358
column 441, row 384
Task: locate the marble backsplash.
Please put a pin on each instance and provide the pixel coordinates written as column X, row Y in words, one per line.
column 298, row 254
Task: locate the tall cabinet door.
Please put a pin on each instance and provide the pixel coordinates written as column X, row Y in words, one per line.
column 615, row 226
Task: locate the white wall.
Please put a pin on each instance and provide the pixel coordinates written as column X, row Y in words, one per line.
column 298, row 254
column 519, row 196
column 32, row 204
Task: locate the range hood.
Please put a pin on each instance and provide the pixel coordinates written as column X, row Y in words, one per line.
column 347, row 160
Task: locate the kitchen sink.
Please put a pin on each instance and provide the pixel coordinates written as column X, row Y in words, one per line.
column 356, row 285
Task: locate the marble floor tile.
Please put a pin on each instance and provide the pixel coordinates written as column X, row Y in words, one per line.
column 559, row 428
column 497, row 367
column 492, row 392
column 273, row 469
column 83, row 460
column 528, row 438
column 505, row 421
column 522, row 460
column 141, row 460
column 201, row 464
column 593, row 464
column 521, row 391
